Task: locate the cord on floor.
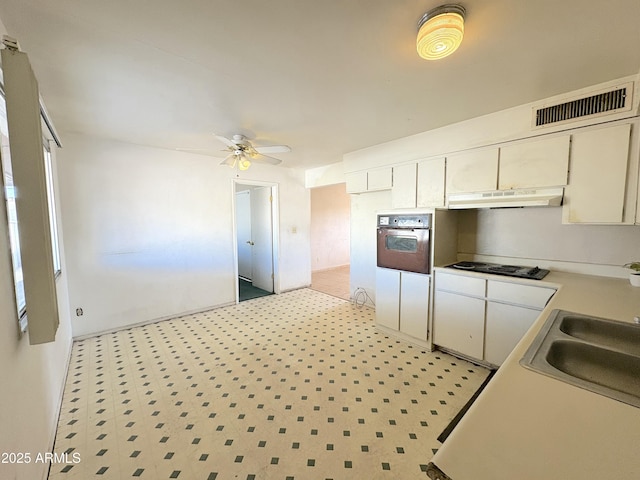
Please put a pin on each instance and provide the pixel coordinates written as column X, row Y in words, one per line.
column 360, row 298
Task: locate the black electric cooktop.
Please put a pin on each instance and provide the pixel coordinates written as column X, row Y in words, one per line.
column 533, row 273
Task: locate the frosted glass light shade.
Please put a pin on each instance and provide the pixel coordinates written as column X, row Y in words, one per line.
column 243, row 163
column 440, row 32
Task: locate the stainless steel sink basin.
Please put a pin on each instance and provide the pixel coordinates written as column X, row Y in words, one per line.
column 605, row 333
column 596, row 354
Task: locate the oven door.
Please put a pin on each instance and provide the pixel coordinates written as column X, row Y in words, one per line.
column 404, row 249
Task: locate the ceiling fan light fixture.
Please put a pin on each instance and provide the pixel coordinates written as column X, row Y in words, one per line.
column 440, row 31
column 243, row 153
column 243, row 163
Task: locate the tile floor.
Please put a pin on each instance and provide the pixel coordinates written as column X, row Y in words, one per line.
column 293, row 386
column 333, row 281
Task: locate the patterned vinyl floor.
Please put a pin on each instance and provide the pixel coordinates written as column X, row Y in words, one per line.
column 296, row 386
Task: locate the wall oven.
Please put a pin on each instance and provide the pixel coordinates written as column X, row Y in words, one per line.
column 404, row 242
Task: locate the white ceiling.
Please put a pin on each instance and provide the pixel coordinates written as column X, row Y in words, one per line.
column 323, row 76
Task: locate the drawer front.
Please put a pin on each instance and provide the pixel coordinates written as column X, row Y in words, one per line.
column 517, row 294
column 462, row 284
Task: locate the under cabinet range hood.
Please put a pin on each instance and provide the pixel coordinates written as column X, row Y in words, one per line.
column 541, row 197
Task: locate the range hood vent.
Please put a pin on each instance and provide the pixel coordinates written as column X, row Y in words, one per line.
column 544, row 197
column 613, row 100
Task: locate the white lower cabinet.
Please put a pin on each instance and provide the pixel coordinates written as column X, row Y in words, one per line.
column 506, row 325
column 414, row 304
column 402, row 302
column 482, row 318
column 459, row 323
column 388, row 298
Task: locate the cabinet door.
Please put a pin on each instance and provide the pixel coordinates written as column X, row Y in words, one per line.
column 473, row 171
column 506, row 325
column 403, row 192
column 356, row 182
column 460, row 283
column 388, row 298
column 431, row 180
column 458, row 323
column 596, row 191
column 379, row 179
column 414, row 304
column 525, row 295
column 535, row 163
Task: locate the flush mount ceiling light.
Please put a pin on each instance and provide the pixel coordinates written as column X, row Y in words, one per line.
column 440, row 31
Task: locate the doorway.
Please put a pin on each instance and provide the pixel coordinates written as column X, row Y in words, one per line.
column 256, row 239
column 330, row 240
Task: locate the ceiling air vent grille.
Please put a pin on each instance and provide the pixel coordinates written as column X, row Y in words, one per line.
column 618, row 99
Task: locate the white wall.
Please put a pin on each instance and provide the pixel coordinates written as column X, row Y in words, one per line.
column 31, row 377
column 538, row 233
column 330, row 207
column 364, row 209
column 505, row 125
column 325, row 175
column 149, row 232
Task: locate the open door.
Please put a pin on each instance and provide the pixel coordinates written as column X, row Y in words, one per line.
column 256, row 219
column 262, row 238
column 243, row 237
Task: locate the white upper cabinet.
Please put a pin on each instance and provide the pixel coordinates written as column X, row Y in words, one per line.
column 369, row 181
column 431, row 181
column 598, row 178
column 419, row 185
column 403, row 192
column 356, row 182
column 379, row 179
column 472, row 171
column 534, row 163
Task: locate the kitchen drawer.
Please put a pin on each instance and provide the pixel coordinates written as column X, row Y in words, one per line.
column 463, row 284
column 518, row 294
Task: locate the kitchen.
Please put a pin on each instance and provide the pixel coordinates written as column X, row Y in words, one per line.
column 582, row 266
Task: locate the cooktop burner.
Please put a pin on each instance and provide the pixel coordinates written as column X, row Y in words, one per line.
column 533, row 273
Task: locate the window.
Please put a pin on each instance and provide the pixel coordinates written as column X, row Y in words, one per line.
column 52, row 209
column 25, row 115
column 12, row 217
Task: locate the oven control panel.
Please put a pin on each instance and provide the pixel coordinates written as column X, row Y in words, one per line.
column 405, row 221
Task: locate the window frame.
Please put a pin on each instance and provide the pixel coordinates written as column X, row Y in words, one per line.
column 9, row 193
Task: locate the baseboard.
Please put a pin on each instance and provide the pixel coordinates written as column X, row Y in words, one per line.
column 149, row 322
column 320, row 270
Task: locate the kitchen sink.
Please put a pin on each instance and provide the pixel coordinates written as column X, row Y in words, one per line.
column 597, row 354
column 603, row 332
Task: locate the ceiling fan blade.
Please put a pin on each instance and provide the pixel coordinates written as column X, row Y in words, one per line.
column 229, row 161
column 226, row 141
column 273, row 149
column 260, row 158
column 203, row 151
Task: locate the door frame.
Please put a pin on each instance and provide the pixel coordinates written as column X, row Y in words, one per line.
column 275, row 230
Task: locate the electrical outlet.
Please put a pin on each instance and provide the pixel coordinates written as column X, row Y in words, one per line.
column 79, row 312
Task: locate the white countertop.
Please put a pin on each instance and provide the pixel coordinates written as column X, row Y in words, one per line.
column 527, row 426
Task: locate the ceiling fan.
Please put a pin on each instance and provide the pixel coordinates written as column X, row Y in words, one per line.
column 243, row 153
